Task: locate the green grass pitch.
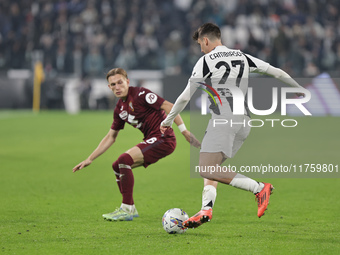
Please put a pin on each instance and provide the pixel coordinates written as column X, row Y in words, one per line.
column 47, row 209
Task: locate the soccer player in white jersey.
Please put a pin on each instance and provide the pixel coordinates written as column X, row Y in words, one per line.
column 227, row 69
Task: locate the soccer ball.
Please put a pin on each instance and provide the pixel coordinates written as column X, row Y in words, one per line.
column 173, row 219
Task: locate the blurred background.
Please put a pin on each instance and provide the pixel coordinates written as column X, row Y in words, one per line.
column 64, row 48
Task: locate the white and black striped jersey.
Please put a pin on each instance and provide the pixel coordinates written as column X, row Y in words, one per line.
column 223, row 69
column 227, row 66
column 225, row 72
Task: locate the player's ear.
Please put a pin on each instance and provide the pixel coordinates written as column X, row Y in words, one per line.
column 206, row 41
column 128, row 82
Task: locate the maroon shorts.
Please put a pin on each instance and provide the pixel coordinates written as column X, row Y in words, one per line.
column 156, row 147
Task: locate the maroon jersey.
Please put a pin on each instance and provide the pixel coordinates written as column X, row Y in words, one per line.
column 141, row 109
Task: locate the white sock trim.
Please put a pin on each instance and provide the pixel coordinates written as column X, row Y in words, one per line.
column 124, row 166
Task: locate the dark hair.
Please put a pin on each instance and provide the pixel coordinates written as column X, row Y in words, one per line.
column 115, row 71
column 209, row 30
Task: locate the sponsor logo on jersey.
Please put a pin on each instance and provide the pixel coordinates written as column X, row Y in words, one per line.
column 151, row 98
column 131, row 106
column 123, row 115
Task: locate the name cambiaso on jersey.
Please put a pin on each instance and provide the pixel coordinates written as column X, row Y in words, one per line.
column 225, row 69
column 140, row 109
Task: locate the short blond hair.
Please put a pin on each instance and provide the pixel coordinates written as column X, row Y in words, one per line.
column 115, row 71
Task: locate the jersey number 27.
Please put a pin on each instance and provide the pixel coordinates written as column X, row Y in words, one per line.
column 225, row 76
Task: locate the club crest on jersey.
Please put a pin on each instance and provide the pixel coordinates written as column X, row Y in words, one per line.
column 131, row 106
column 151, row 98
column 123, row 115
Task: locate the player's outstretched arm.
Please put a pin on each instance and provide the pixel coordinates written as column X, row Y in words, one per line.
column 191, row 139
column 284, row 77
column 105, row 143
column 82, row 164
column 178, row 107
column 167, row 106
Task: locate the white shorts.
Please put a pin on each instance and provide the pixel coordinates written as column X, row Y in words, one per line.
column 225, row 134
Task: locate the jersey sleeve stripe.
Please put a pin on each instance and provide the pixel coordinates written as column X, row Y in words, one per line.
column 250, row 62
column 206, row 69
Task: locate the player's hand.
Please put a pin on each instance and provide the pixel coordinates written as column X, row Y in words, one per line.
column 163, row 129
column 191, row 139
column 81, row 165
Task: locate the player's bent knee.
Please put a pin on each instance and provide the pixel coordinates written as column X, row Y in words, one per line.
column 115, row 166
column 125, row 159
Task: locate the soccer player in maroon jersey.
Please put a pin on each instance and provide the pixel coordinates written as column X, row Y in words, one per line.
column 144, row 110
